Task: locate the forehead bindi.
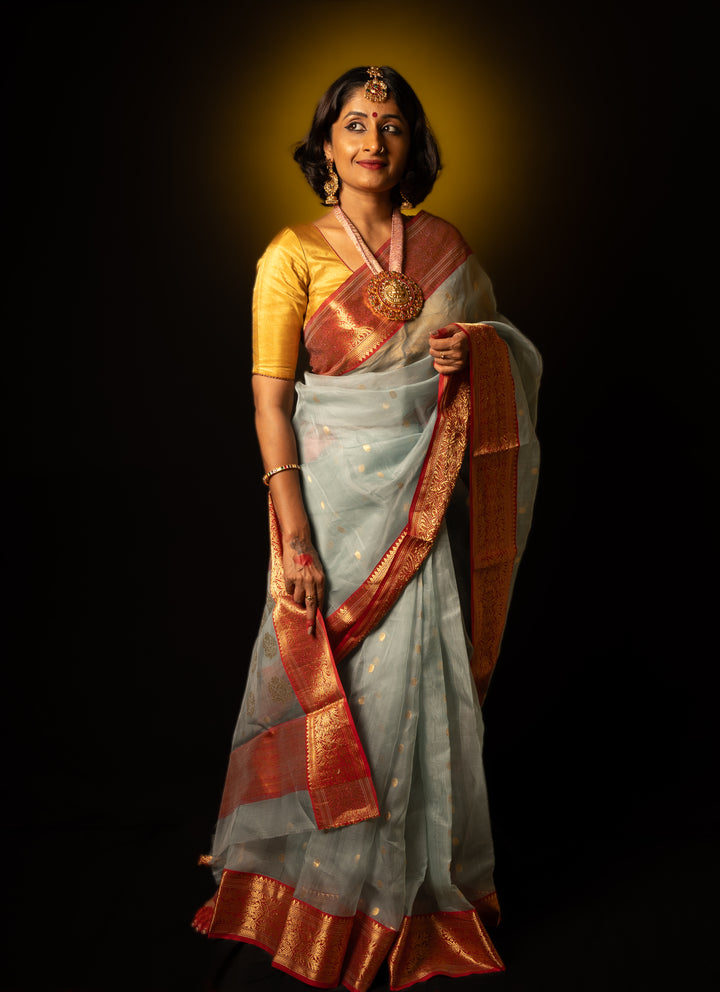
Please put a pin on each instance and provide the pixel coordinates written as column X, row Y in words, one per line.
column 358, row 102
column 357, row 109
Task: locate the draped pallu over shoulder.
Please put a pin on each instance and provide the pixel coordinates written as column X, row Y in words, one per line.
column 344, row 332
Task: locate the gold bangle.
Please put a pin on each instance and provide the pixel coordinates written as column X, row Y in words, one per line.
column 274, row 471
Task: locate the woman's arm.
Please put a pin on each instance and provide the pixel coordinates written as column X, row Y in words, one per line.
column 304, row 576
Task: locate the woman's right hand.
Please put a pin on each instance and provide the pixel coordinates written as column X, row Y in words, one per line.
column 304, row 578
column 302, row 569
column 449, row 348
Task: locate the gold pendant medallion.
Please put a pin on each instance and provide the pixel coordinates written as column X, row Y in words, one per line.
column 395, row 296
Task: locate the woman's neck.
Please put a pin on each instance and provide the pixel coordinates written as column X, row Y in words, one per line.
column 371, row 214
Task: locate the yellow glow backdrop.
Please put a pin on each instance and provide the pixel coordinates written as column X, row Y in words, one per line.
column 268, row 97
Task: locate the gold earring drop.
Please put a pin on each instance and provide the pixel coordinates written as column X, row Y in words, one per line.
column 405, row 204
column 332, row 185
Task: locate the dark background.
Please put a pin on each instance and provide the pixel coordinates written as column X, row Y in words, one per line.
column 134, row 519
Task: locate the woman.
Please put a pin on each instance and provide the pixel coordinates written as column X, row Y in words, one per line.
column 354, row 825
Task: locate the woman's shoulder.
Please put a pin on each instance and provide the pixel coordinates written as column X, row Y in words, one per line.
column 436, row 228
column 295, row 236
column 293, row 245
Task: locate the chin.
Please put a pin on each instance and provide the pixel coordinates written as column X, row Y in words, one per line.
column 384, row 186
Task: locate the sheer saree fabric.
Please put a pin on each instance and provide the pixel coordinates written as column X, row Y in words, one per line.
column 354, row 824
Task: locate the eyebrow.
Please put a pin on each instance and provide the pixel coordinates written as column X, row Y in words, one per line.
column 361, row 113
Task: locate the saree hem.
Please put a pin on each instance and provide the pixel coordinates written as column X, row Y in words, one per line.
column 326, row 951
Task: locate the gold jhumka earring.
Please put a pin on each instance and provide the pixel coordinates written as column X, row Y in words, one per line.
column 332, row 185
column 405, row 204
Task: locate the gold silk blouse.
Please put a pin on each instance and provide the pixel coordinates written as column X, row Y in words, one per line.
column 295, row 275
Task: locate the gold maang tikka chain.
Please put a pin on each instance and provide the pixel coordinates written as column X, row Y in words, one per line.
column 376, row 87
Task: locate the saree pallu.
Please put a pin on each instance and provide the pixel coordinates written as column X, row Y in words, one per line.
column 354, row 824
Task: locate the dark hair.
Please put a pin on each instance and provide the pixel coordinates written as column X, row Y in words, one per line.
column 423, row 162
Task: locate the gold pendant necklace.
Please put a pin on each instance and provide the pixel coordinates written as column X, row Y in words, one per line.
column 389, row 294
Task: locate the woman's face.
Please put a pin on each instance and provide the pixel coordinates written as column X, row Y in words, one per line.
column 369, row 144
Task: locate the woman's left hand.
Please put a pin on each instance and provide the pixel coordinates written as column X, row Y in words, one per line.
column 449, row 348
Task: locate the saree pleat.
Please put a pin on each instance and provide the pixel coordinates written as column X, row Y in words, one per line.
column 354, row 826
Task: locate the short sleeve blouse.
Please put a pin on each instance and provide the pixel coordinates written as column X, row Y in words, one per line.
column 296, row 274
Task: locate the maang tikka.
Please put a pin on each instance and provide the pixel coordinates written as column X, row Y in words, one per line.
column 376, row 87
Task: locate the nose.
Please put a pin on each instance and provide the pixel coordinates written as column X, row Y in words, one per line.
column 373, row 141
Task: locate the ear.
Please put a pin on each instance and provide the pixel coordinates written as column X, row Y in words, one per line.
column 327, row 148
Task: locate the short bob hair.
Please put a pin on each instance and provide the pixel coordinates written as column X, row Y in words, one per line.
column 423, row 163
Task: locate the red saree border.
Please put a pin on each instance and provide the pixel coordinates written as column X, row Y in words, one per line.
column 364, row 609
column 320, row 752
column 345, row 331
column 455, row 944
column 495, row 446
column 266, row 767
column 338, row 774
column 480, row 404
column 325, row 950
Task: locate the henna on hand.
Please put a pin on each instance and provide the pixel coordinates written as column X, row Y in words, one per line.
column 305, row 581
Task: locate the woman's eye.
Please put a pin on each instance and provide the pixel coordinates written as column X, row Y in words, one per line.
column 356, row 126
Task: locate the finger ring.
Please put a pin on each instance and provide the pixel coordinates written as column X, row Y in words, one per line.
column 309, row 599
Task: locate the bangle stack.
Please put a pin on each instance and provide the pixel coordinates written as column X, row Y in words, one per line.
column 274, row 471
